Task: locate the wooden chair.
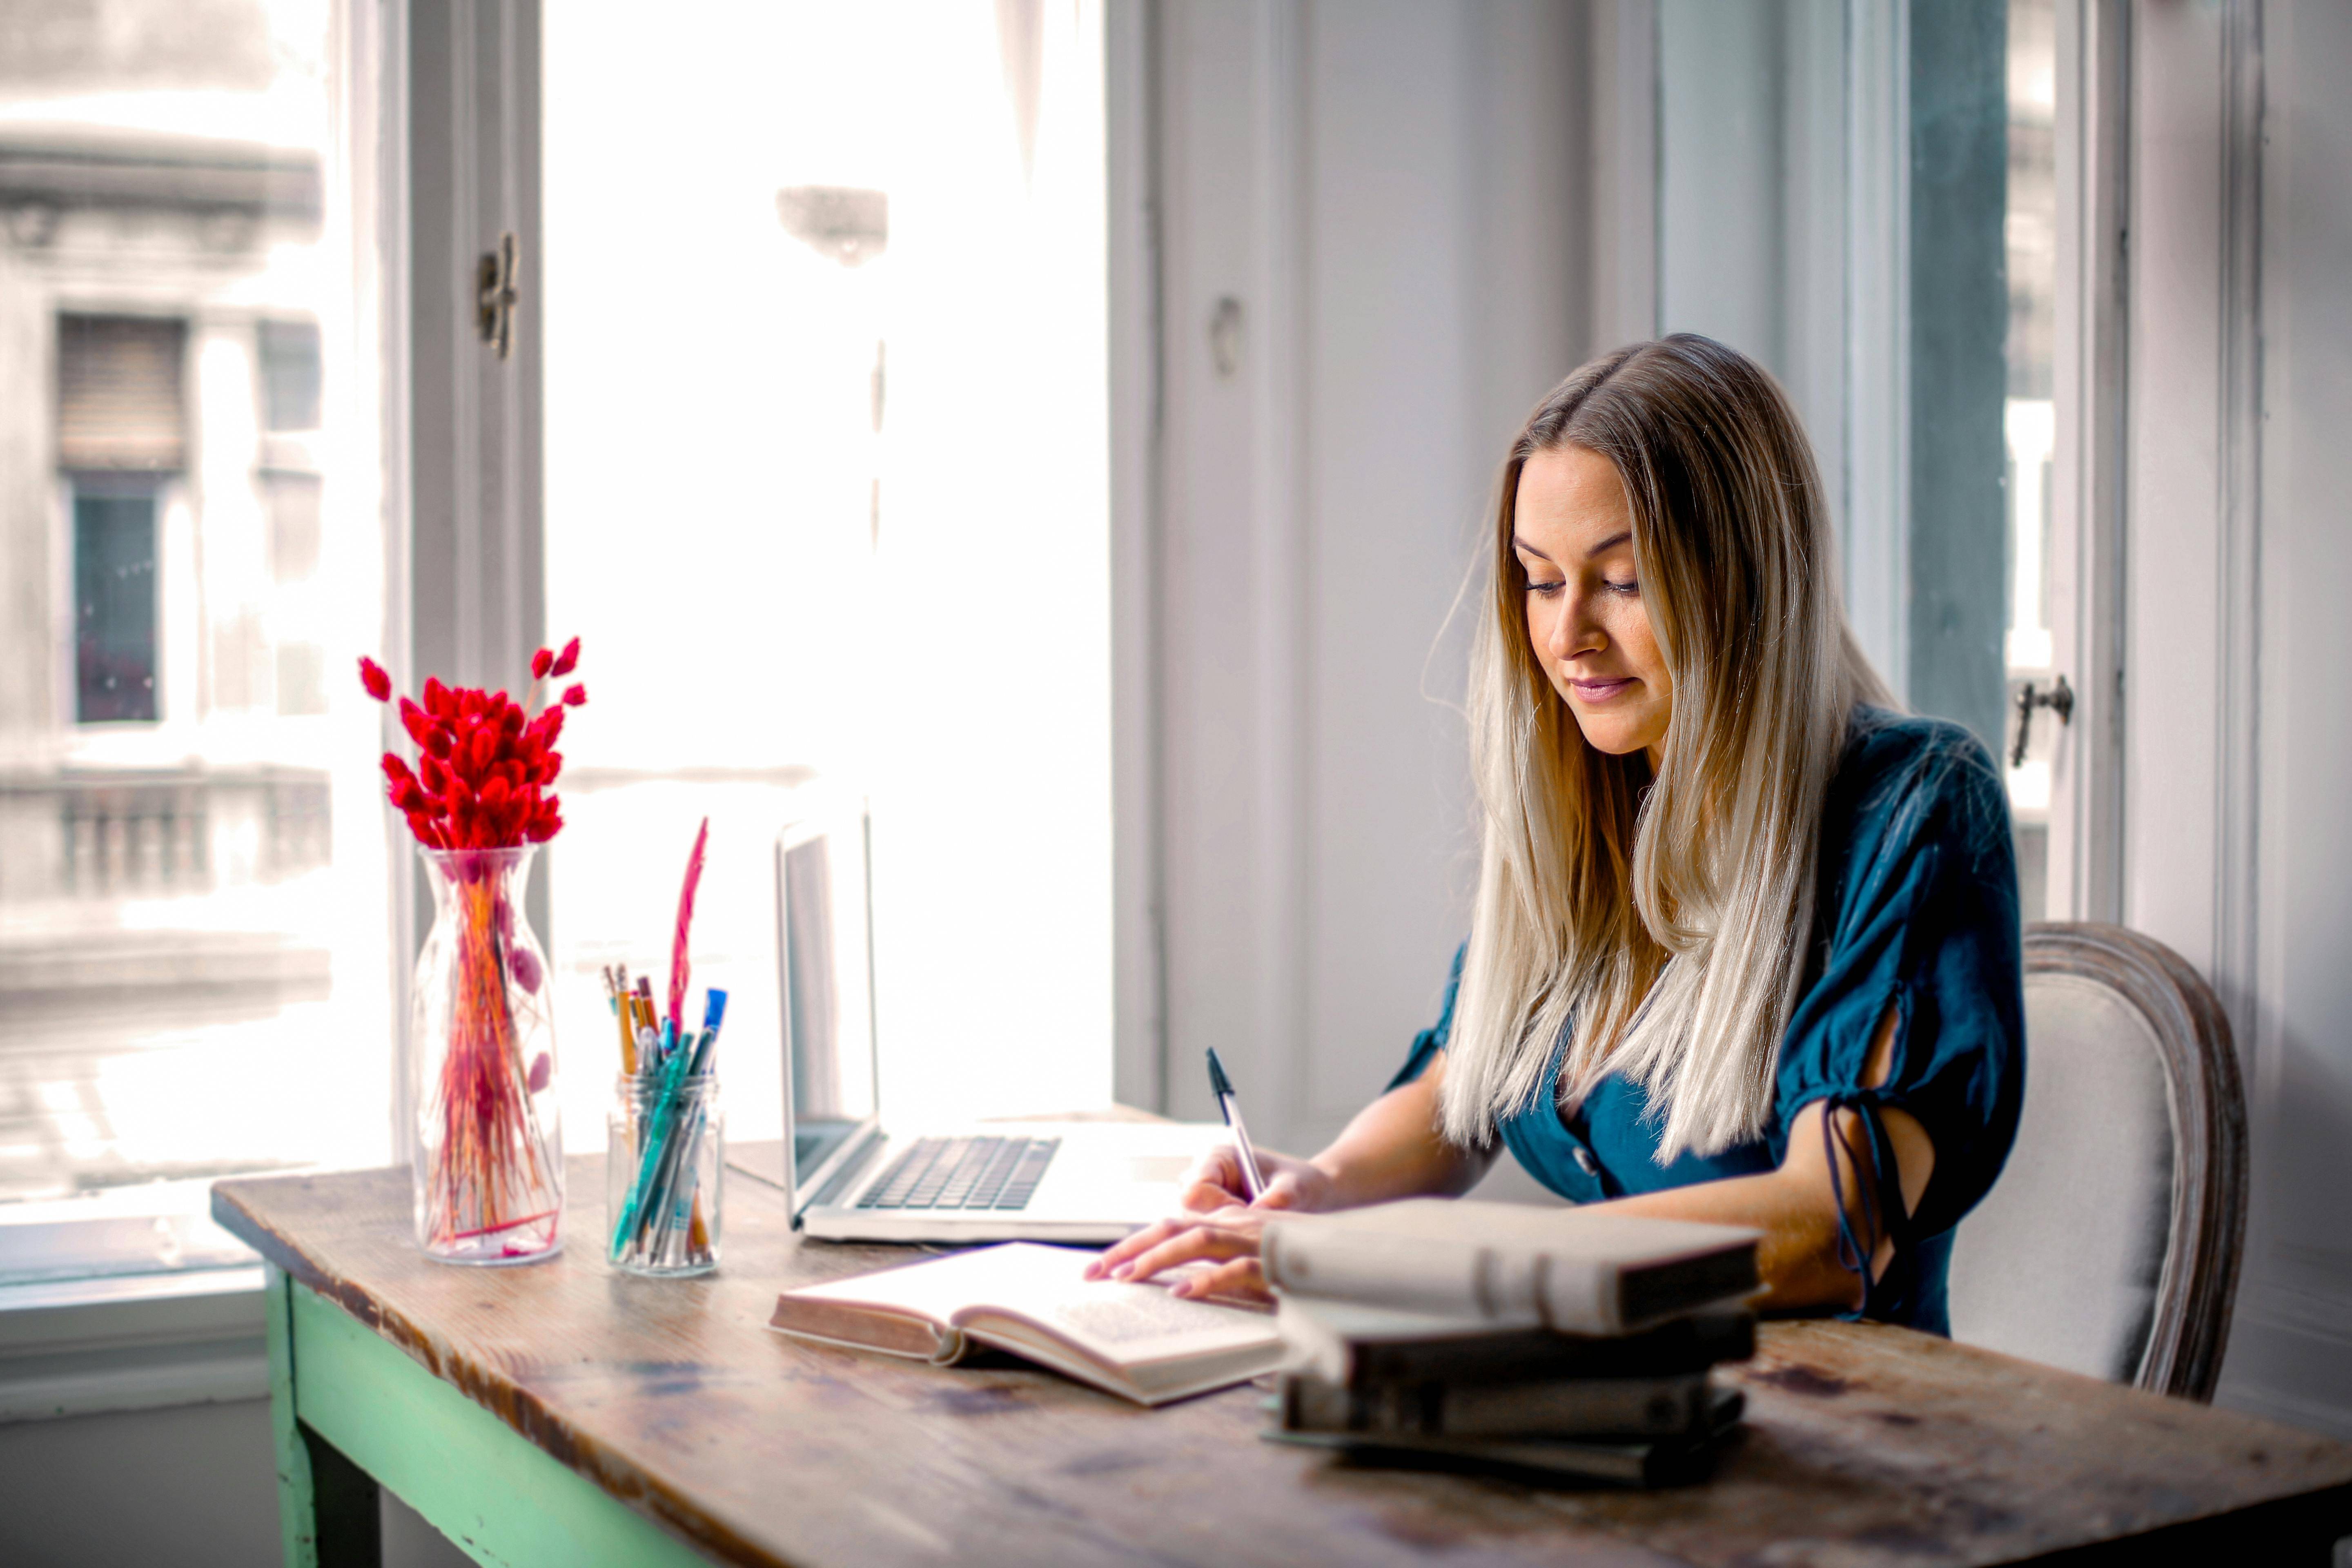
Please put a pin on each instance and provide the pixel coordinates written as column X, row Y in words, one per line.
column 2110, row 1245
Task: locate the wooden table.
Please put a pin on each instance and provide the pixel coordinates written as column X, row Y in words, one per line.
column 567, row 1414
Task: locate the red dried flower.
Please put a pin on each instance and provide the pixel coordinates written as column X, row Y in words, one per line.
column 482, row 758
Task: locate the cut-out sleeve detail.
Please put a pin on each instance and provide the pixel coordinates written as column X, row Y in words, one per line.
column 1879, row 1197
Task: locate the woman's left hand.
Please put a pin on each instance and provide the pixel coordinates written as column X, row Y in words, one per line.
column 1227, row 1238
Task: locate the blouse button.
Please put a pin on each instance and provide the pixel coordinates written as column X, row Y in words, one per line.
column 1586, row 1163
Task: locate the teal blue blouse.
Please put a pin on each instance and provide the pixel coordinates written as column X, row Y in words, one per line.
column 1916, row 910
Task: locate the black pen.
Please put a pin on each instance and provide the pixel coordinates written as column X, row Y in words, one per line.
column 1230, row 1104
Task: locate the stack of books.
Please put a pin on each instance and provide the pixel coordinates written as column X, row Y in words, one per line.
column 1553, row 1343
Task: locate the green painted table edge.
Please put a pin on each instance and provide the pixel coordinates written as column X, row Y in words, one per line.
column 351, row 1411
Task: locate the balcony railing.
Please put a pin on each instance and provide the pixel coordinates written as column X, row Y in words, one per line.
column 84, row 835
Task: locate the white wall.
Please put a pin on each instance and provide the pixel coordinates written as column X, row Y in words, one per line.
column 1387, row 192
column 2291, row 1355
column 2238, row 651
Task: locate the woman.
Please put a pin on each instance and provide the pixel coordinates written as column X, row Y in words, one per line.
column 1745, row 947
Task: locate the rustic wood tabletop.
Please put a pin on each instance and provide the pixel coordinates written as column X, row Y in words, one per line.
column 1863, row 1444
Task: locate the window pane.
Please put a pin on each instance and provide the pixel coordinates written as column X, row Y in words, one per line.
column 194, row 930
column 114, row 605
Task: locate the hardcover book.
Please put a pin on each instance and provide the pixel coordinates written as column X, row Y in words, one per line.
column 1577, row 1271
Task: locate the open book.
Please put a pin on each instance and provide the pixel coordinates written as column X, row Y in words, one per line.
column 1135, row 1340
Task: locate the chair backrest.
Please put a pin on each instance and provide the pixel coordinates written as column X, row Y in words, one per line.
column 2110, row 1245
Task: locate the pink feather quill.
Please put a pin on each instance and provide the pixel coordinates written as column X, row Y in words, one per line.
column 680, row 971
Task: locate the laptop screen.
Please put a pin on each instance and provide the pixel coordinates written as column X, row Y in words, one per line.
column 828, row 989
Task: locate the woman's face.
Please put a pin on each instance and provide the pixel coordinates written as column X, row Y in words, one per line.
column 1573, row 535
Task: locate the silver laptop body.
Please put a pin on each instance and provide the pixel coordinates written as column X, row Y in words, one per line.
column 847, row 1178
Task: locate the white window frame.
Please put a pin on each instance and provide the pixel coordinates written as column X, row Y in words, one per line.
column 2088, row 481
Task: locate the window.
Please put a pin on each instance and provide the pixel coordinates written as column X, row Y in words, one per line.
column 1863, row 198
column 785, row 567
column 114, row 602
column 289, row 374
column 193, row 882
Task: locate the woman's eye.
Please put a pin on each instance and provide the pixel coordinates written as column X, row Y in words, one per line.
column 1546, row 589
column 1628, row 590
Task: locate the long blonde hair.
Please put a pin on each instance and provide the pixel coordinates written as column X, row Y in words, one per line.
column 1660, row 924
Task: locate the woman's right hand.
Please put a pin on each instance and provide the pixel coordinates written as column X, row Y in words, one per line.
column 1214, row 1183
column 1218, row 1225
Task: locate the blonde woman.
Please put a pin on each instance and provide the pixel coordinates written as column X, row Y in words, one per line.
column 1744, row 946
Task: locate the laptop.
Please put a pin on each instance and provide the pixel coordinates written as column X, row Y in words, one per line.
column 848, row 1177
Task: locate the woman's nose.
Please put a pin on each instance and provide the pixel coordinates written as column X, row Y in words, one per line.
column 1574, row 631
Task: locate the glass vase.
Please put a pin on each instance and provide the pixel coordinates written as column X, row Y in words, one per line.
column 488, row 1166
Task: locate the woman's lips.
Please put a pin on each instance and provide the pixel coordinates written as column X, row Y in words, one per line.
column 1600, row 690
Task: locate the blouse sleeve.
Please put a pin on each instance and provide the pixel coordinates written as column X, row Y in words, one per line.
column 1432, row 1040
column 1924, row 923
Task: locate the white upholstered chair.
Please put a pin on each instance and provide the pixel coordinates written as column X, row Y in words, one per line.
column 2110, row 1245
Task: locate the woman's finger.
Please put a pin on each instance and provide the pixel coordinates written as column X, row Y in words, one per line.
column 1150, row 1235
column 1201, row 1198
column 1281, row 1193
column 1213, row 1181
column 1241, row 1278
column 1188, row 1246
column 1217, row 1167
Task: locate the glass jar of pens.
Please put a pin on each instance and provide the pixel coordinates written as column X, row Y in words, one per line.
column 665, row 1149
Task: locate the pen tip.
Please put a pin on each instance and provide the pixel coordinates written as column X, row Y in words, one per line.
column 1218, row 1082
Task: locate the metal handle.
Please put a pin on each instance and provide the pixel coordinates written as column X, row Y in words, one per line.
column 494, row 295
column 2059, row 699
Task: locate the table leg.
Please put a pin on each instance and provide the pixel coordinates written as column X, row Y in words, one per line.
column 328, row 1514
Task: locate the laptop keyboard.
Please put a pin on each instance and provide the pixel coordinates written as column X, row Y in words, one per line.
column 964, row 1173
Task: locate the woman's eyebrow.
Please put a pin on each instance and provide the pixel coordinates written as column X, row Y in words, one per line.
column 1524, row 548
column 1608, row 544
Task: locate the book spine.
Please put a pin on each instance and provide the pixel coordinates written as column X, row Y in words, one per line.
column 1630, row 1407
column 1614, row 1406
column 1690, row 1346
column 1498, row 1285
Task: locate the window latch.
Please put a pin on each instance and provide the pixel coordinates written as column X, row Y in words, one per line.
column 2059, row 699
column 494, row 295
